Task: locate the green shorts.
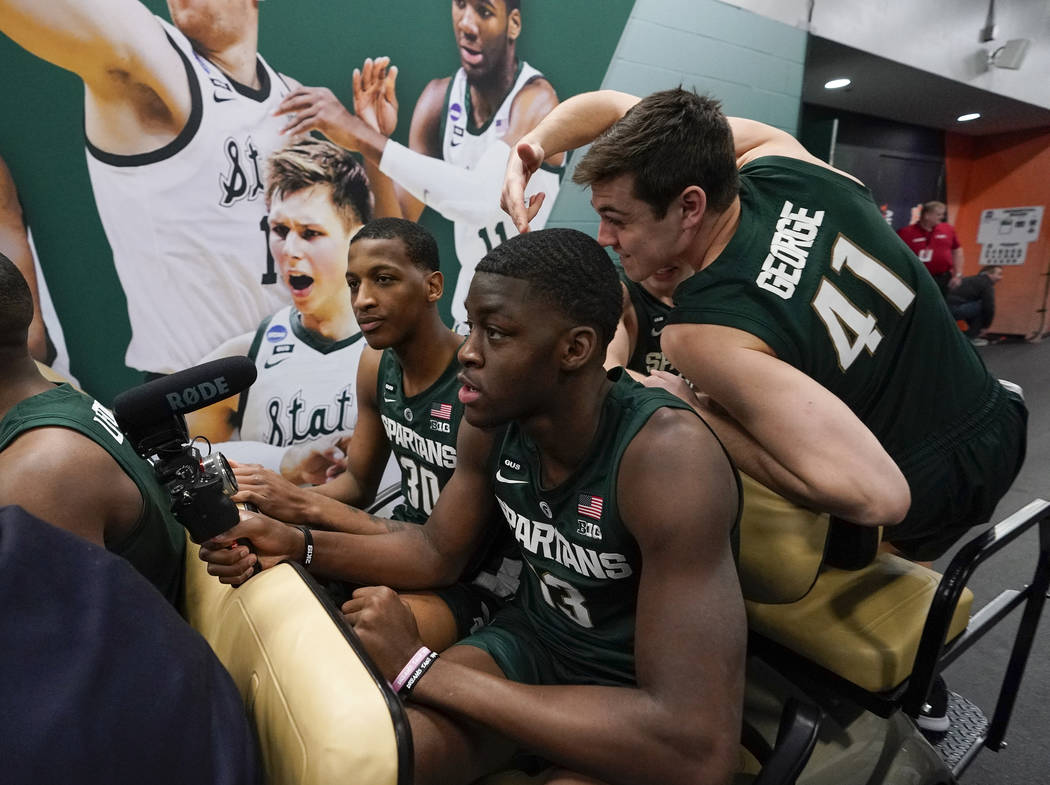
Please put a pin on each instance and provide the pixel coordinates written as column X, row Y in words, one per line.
column 511, row 640
column 472, row 607
column 957, row 481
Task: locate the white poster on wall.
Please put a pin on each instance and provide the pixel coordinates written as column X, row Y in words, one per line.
column 1004, row 234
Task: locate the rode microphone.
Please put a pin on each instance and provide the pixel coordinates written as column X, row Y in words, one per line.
column 151, row 415
column 183, row 392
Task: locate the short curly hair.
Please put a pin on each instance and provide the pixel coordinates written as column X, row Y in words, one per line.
column 564, row 268
column 420, row 245
column 16, row 305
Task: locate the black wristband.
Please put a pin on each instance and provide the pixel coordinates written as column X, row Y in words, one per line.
column 417, row 674
column 308, row 555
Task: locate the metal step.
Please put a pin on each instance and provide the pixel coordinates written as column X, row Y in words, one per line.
column 967, row 730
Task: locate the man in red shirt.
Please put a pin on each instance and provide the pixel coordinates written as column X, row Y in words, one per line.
column 936, row 245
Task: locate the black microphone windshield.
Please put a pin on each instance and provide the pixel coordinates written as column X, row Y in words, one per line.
column 182, row 392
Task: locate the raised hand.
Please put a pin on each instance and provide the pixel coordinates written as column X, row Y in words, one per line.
column 317, row 109
column 375, row 95
column 524, row 161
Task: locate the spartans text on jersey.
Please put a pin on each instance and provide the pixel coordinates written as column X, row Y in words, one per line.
column 544, row 540
column 425, row 449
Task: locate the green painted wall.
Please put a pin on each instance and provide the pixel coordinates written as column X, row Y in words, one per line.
column 752, row 63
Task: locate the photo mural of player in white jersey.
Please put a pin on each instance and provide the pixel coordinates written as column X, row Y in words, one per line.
column 139, row 283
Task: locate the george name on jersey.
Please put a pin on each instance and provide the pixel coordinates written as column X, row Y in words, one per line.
column 795, row 234
column 427, row 450
column 544, row 539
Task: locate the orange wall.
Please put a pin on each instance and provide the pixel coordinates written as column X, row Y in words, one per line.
column 1005, row 170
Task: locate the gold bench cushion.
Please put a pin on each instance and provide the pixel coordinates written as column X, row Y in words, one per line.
column 781, row 545
column 863, row 625
column 319, row 715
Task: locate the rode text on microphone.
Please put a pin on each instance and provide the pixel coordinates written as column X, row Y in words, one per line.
column 152, row 417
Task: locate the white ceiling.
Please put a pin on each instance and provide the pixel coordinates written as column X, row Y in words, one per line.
column 886, row 88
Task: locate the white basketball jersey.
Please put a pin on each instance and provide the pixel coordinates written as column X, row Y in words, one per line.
column 307, row 386
column 463, row 145
column 187, row 222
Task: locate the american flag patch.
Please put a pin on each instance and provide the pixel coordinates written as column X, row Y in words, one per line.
column 442, row 411
column 591, row 506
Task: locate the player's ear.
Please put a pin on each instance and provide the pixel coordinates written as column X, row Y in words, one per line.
column 579, row 346
column 514, row 24
column 435, row 285
column 692, row 203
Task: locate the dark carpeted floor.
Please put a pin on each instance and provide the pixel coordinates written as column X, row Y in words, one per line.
column 978, row 673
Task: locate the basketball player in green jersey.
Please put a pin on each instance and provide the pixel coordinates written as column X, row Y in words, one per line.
column 629, row 617
column 842, row 381
column 407, row 390
column 646, row 307
column 64, row 460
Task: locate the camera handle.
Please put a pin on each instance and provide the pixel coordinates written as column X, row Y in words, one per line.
column 249, row 507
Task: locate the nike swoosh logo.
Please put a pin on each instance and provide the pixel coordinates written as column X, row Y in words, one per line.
column 219, row 99
column 655, row 333
column 390, row 400
column 501, row 478
column 271, row 363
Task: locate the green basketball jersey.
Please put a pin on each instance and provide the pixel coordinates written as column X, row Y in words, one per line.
column 157, row 544
column 581, row 586
column 422, row 431
column 815, row 271
column 652, row 314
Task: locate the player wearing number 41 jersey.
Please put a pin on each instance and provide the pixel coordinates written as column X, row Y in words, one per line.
column 829, row 364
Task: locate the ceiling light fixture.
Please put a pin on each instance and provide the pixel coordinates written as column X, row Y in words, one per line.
column 835, row 84
column 965, row 118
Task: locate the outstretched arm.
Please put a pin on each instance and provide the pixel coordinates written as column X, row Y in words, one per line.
column 136, row 83
column 573, row 123
column 689, row 644
column 803, row 442
column 403, row 555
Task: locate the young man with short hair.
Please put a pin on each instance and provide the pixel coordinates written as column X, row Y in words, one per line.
column 807, row 320
column 407, row 405
column 299, row 414
column 629, row 617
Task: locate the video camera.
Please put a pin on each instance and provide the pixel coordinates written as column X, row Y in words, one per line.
column 152, row 417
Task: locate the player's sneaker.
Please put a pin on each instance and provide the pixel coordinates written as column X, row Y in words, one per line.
column 933, row 719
